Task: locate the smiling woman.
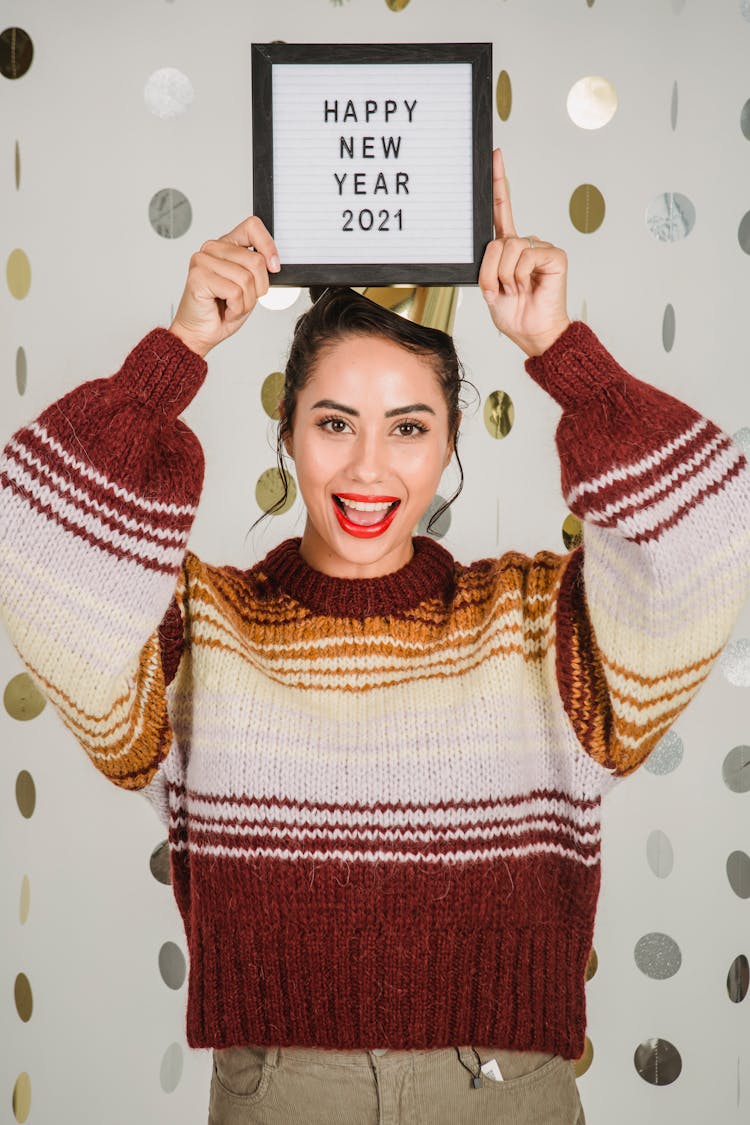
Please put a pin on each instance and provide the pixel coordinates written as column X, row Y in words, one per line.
column 381, row 769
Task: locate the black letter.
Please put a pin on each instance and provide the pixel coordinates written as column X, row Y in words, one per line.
column 359, row 182
column 410, row 108
column 402, row 181
column 348, row 145
column 370, row 112
column 391, row 146
column 334, row 109
column 350, row 113
column 380, row 184
column 340, row 182
column 390, row 108
column 368, row 144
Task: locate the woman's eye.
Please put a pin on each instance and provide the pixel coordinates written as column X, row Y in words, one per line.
column 333, row 425
column 409, row 429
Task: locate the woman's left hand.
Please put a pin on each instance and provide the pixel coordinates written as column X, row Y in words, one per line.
column 523, row 279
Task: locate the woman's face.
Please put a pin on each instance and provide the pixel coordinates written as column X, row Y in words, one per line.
column 370, row 441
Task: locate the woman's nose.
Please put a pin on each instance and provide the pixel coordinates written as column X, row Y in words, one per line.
column 368, row 459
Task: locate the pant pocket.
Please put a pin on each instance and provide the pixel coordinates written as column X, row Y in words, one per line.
column 241, row 1078
column 545, row 1095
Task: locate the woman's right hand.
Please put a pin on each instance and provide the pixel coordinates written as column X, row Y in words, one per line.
column 226, row 278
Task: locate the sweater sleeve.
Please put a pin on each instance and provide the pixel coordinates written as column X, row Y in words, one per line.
column 97, row 499
column 651, row 596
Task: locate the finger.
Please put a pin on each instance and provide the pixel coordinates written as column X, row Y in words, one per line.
column 501, row 209
column 252, row 232
column 488, row 279
column 220, row 278
column 235, row 262
column 513, row 248
column 238, row 302
column 544, row 258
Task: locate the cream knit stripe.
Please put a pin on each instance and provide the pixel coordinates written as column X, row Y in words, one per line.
column 468, row 856
column 454, row 816
column 36, row 469
column 510, row 631
column 643, row 467
column 620, row 566
column 641, row 498
column 61, row 509
column 508, row 835
column 89, row 472
column 681, row 498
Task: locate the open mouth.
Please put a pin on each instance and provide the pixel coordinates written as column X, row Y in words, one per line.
column 364, row 516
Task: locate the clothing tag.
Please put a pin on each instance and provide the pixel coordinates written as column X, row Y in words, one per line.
column 492, row 1070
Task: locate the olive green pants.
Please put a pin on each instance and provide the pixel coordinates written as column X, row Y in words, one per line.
column 317, row 1086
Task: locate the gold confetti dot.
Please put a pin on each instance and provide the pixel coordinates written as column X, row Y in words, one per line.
column 18, row 272
column 587, row 208
column 271, row 393
column 504, row 95
column 270, row 489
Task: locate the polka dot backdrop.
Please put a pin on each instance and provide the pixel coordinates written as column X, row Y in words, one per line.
column 625, row 132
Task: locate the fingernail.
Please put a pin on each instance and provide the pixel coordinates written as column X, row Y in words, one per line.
column 275, row 264
column 489, row 295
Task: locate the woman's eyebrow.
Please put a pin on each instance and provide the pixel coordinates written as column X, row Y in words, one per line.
column 329, row 404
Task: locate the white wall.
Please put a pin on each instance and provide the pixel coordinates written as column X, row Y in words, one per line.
column 92, row 155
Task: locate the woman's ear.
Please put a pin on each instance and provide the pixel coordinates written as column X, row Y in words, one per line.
column 286, row 437
column 452, row 443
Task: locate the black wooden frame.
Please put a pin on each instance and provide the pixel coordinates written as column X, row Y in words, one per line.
column 265, row 55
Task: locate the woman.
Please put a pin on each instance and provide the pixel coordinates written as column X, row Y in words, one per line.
column 381, row 769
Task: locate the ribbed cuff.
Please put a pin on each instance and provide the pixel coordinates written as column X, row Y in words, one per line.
column 162, row 371
column 576, row 368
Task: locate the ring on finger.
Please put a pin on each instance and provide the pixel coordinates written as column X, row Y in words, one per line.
column 531, row 242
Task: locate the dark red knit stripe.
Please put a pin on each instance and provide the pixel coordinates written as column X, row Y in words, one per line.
column 382, row 806
column 126, row 509
column 708, row 490
column 305, row 842
column 612, row 494
column 82, row 533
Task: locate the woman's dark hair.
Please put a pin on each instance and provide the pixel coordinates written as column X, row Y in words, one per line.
column 341, row 312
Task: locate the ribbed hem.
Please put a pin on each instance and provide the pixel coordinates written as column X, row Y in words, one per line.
column 162, row 371
column 576, row 368
column 284, row 954
column 429, row 574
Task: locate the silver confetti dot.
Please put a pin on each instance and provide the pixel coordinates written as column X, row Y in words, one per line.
column 658, row 956
column 738, row 979
column 742, row 438
column 660, row 854
column 745, row 9
column 670, row 216
column 735, row 662
column 171, row 1068
column 658, row 1061
column 666, row 755
column 738, row 873
column 736, row 769
column 668, row 328
column 168, row 92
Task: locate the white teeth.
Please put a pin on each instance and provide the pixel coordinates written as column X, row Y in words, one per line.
column 364, row 506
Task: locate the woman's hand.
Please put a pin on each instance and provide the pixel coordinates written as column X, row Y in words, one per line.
column 225, row 280
column 524, row 285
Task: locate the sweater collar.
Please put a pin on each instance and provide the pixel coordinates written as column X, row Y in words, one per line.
column 429, row 574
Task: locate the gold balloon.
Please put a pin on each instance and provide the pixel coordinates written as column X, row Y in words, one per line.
column 432, row 306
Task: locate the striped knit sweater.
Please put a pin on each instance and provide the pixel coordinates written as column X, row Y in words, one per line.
column 382, row 795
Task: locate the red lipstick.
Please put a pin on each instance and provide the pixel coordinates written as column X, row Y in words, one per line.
column 364, row 530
